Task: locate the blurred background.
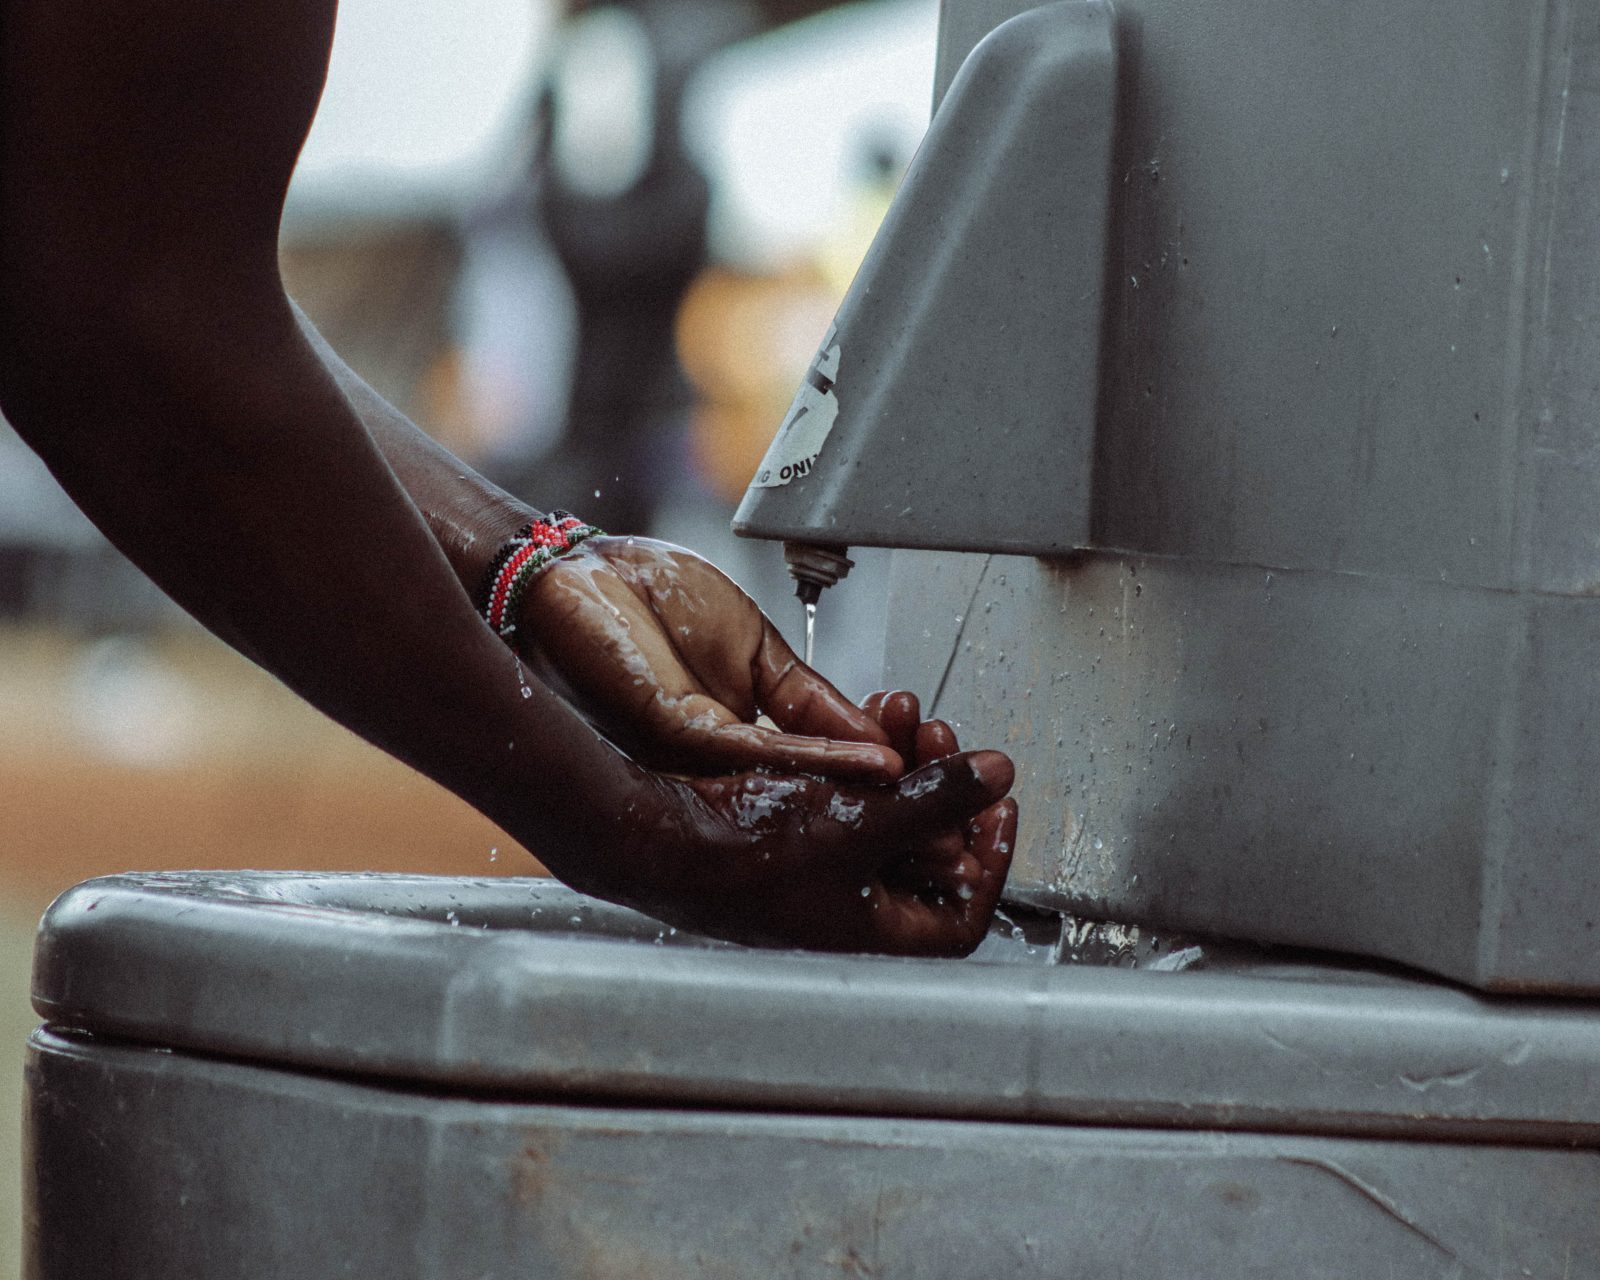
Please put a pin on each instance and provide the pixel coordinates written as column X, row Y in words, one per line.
column 592, row 250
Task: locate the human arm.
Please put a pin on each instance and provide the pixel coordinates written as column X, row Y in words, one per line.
column 620, row 606
column 149, row 354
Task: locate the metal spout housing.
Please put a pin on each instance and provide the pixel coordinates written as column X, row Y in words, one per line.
column 952, row 403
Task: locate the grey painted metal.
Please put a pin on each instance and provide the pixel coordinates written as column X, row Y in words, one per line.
column 524, row 987
column 1399, row 769
column 1354, row 286
column 963, row 365
column 150, row 1165
column 1329, row 678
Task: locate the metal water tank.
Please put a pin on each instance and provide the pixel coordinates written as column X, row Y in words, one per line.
column 269, row 1076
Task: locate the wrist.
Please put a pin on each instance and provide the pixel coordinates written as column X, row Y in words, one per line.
column 472, row 540
column 528, row 553
column 611, row 834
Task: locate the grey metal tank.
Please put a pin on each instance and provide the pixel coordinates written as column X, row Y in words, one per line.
column 273, row 1076
column 1322, row 668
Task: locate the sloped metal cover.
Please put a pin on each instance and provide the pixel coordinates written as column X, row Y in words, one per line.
column 528, row 989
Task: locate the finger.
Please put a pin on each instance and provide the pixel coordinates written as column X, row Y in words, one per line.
column 800, row 701
column 946, row 793
column 935, row 740
column 900, row 715
column 991, row 840
column 950, row 913
column 735, row 745
column 905, row 924
column 872, row 704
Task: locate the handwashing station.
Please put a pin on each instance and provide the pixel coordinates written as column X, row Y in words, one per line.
column 1225, row 379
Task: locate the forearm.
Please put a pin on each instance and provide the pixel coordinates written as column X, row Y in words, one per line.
column 148, row 353
column 222, row 458
column 469, row 516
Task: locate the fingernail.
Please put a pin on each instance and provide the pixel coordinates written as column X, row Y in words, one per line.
column 993, row 771
column 908, row 703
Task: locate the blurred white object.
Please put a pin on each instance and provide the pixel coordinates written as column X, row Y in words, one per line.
column 604, row 72
column 425, row 106
column 778, row 122
column 130, row 706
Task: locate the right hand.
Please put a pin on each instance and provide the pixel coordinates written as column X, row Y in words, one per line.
column 676, row 662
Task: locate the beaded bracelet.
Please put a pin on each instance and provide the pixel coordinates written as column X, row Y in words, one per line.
column 525, row 555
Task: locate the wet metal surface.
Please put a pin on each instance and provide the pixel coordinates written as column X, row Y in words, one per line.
column 1399, row 769
column 1325, row 677
column 529, row 988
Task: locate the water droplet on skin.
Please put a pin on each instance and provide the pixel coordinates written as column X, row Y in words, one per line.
column 845, row 811
column 964, row 891
column 494, row 854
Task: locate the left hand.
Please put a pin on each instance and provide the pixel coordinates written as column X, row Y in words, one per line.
column 677, row 662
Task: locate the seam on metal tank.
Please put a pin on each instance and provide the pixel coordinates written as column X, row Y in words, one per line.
column 955, row 645
column 1165, row 558
column 1551, row 82
column 1534, row 207
column 1498, row 796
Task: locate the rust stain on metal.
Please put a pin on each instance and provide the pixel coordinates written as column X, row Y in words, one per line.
column 530, row 1174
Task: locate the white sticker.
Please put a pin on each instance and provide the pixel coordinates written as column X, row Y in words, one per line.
column 805, row 428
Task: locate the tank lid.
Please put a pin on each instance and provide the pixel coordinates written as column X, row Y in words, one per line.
column 527, row 988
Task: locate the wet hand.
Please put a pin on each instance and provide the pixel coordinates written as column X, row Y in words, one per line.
column 676, row 663
column 914, row 868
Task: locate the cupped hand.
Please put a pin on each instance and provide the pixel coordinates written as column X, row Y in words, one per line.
column 913, row 868
column 676, row 663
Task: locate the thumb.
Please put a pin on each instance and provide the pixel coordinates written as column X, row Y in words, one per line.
column 800, row 701
column 945, row 793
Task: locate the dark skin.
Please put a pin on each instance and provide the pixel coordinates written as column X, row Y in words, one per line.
column 149, row 353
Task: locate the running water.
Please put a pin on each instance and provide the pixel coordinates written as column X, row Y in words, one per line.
column 811, row 632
